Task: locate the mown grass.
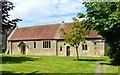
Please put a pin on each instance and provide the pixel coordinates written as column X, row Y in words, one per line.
column 109, row 68
column 53, row 64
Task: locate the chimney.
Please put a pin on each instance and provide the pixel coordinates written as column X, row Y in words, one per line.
column 62, row 24
column 62, row 21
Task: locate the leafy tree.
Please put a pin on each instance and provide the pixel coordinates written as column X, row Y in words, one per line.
column 7, row 24
column 76, row 35
column 105, row 18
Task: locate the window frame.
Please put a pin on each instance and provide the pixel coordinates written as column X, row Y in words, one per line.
column 46, row 44
column 35, row 46
column 84, row 46
column 60, row 48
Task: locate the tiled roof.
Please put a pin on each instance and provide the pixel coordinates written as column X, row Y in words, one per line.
column 43, row 32
column 66, row 27
column 94, row 34
column 34, row 32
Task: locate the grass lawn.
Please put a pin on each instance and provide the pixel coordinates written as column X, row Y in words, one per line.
column 53, row 64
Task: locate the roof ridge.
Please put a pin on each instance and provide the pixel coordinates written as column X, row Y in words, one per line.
column 36, row 26
column 45, row 25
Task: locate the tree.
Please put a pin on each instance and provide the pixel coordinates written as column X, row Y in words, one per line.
column 76, row 35
column 7, row 25
column 105, row 18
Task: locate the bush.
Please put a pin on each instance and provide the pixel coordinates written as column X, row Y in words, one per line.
column 116, row 58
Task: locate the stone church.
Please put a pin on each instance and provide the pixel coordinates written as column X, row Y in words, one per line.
column 47, row 40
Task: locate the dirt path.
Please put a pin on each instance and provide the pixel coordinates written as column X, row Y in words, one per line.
column 99, row 69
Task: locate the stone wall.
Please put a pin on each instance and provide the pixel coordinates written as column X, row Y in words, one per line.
column 95, row 47
column 30, row 50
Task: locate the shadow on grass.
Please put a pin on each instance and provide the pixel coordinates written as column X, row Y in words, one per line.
column 12, row 73
column 13, row 59
column 90, row 59
column 95, row 60
column 36, row 73
column 111, row 64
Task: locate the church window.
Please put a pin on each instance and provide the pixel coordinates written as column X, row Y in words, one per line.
column 46, row 44
column 60, row 48
column 84, row 46
column 34, row 44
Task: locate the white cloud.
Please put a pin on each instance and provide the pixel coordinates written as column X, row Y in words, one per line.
column 50, row 20
column 35, row 12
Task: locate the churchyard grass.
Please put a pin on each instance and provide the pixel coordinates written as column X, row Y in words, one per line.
column 21, row 64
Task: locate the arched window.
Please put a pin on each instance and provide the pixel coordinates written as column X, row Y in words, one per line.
column 84, row 46
column 34, row 44
column 49, row 44
column 43, row 44
column 60, row 48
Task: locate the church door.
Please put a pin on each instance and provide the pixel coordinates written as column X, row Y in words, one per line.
column 67, row 51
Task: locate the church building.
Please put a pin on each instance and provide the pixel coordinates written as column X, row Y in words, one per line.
column 47, row 40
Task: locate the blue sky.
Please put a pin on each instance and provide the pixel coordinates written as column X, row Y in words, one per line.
column 40, row 12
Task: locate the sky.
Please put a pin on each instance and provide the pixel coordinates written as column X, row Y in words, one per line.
column 41, row 12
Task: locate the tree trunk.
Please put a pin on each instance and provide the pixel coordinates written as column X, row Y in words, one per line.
column 77, row 53
column 6, row 41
